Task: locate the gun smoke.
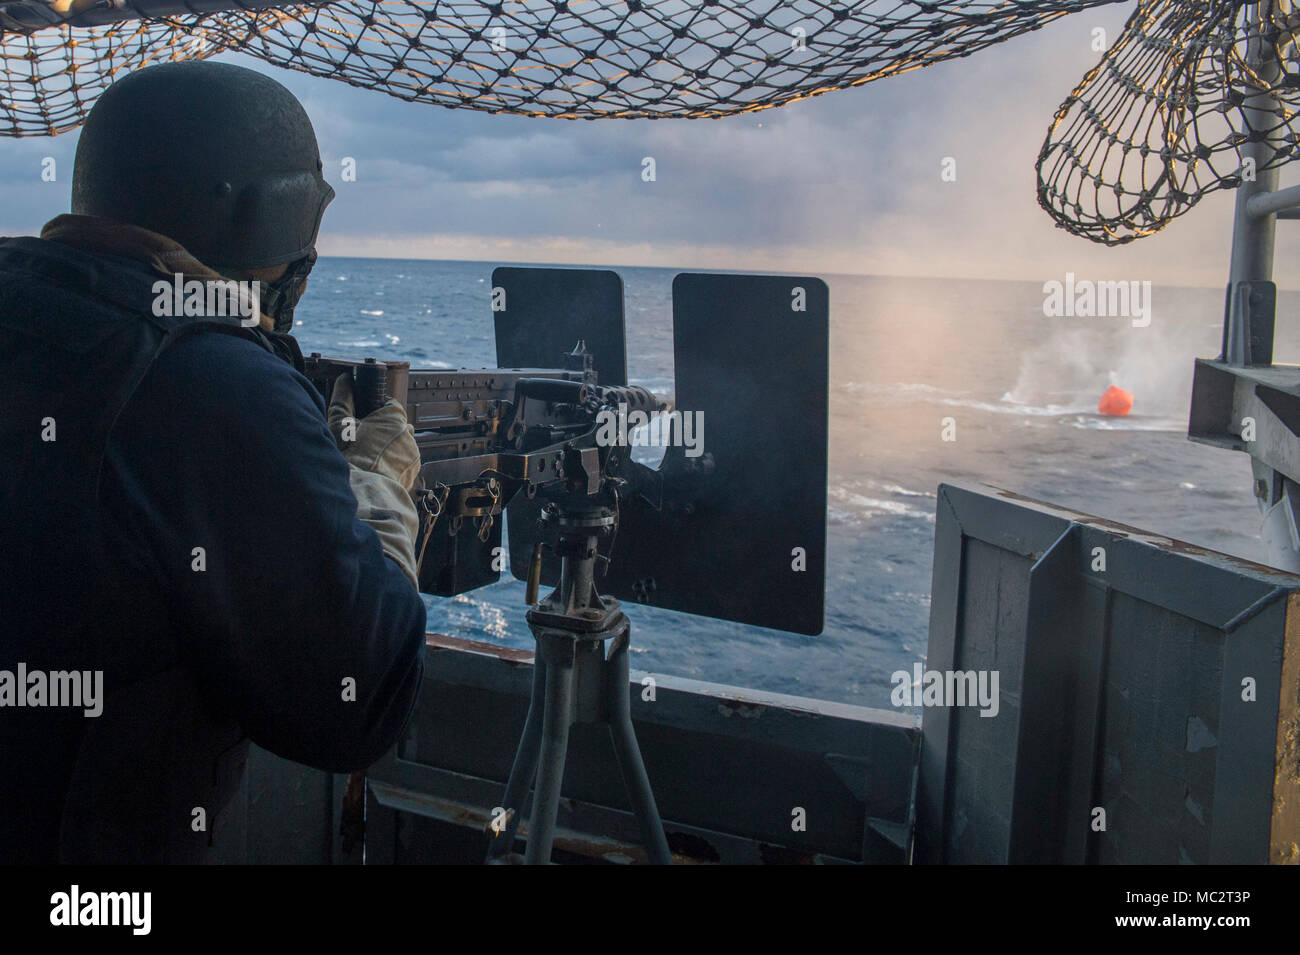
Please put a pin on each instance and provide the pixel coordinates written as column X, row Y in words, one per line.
column 658, row 429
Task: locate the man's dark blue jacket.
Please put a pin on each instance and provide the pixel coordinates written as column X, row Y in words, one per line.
column 129, row 442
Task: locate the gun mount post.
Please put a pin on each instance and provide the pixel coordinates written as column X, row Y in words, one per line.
column 575, row 681
column 1252, row 232
column 1244, row 385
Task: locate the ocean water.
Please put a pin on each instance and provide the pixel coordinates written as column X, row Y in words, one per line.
column 906, row 353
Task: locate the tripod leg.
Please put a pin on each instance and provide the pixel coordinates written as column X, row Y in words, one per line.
column 556, row 716
column 635, row 779
column 524, row 768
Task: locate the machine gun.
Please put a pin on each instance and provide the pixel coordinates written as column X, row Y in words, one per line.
column 737, row 532
column 489, row 435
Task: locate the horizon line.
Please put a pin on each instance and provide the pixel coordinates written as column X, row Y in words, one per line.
column 686, row 270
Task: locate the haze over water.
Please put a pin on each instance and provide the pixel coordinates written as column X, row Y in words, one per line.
column 905, row 354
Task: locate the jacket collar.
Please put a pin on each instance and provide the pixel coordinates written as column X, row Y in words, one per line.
column 165, row 256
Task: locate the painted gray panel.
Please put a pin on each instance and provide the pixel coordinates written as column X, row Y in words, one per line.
column 1131, row 696
column 983, row 748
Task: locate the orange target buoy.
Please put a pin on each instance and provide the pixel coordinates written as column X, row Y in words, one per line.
column 1115, row 401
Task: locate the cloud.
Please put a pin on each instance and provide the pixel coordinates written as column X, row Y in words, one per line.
column 845, row 182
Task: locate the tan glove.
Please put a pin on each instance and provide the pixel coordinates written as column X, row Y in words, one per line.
column 383, row 441
column 384, row 462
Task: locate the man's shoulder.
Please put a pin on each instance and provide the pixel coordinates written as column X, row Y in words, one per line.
column 219, row 408
column 215, row 367
column 61, row 284
column 64, row 264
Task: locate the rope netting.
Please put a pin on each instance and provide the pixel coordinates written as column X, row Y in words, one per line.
column 577, row 59
column 1158, row 124
column 630, row 59
column 1169, row 115
column 50, row 79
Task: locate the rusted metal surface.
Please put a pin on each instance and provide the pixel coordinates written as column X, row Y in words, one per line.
column 439, row 641
column 1284, row 830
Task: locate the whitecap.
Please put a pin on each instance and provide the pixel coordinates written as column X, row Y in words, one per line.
column 900, row 491
column 1099, row 422
column 859, row 507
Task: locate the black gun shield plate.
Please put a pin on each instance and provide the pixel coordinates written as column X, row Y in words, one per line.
column 547, row 312
column 757, row 369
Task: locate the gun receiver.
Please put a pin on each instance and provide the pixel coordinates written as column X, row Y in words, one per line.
column 487, row 435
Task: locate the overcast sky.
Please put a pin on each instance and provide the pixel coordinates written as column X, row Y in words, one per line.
column 846, row 182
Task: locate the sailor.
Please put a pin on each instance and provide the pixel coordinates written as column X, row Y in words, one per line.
column 178, row 513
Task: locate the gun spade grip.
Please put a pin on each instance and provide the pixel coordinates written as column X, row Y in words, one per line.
column 370, row 387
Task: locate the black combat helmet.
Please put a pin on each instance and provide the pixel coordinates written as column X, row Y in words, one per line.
column 217, row 157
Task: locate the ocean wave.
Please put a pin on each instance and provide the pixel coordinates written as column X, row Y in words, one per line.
column 896, row 388
column 901, row 491
column 1081, row 411
column 1099, row 422
column 660, row 386
column 368, row 312
column 473, row 618
column 1011, row 405
column 1077, row 415
column 854, row 507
